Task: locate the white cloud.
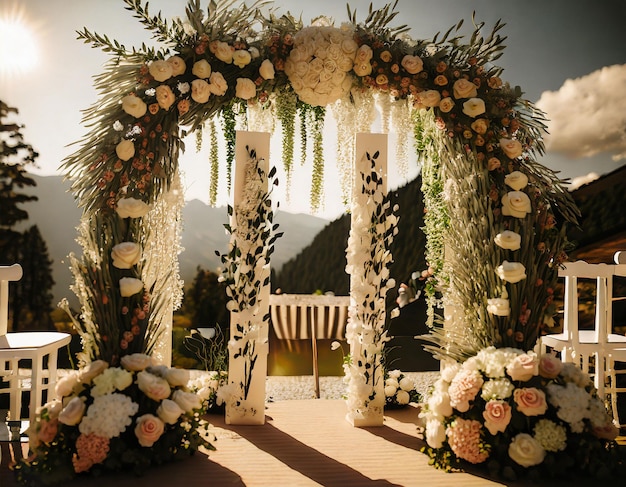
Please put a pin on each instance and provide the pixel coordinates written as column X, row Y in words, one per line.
column 587, row 115
column 582, row 180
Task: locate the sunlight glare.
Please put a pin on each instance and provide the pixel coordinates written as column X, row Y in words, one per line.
column 18, row 48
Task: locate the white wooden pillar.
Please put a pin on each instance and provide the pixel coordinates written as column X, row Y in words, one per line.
column 248, row 345
column 365, row 331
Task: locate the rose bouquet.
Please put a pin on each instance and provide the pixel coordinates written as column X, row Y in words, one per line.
column 125, row 418
column 518, row 414
column 399, row 390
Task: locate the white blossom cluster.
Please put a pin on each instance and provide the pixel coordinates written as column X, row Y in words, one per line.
column 108, row 416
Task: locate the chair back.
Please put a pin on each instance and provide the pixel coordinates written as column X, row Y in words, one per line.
column 7, row 273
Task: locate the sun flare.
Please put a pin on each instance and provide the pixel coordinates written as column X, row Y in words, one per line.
column 18, row 46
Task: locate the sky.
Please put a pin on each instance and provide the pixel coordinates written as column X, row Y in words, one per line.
column 568, row 56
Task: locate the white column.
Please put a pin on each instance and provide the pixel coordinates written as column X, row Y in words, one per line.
column 248, row 349
column 365, row 331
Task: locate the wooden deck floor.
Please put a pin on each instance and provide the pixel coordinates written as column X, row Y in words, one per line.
column 303, row 443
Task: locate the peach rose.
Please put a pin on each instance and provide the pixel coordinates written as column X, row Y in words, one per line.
column 474, row 107
column 93, row 369
column 362, row 69
column 241, row 58
column 149, row 429
column 245, row 88
column 136, row 362
column 511, row 148
column 530, row 401
column 480, row 126
column 165, row 96
column 160, row 70
column 200, row 91
column 201, row 69
column 550, row 366
column 266, row 70
column 412, row 64
column 497, row 416
column 152, row 386
column 217, row 84
column 516, row 180
column 224, row 52
column 134, row 106
column 125, row 149
column 65, row 385
column 464, row 89
column 178, row 65
column 428, row 98
column 446, row 104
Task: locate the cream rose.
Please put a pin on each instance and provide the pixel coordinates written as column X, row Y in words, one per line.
column 412, row 64
column 169, row 411
column 362, row 69
column 497, row 415
column 526, row 451
column 516, row 180
column 178, row 65
column 201, row 69
column 132, row 208
column 177, row 377
column 165, row 97
column 512, row 148
column 446, row 104
column 200, row 91
column 136, row 362
column 511, row 271
column 134, row 106
column 65, row 385
column 508, row 240
column 224, row 52
column 187, row 400
column 498, row 306
column 428, row 98
column 73, row 412
column 241, row 58
column 91, row 370
column 217, row 84
column 363, row 54
column 266, row 70
column 152, row 386
column 149, row 429
column 245, row 88
column 160, row 70
column 474, row 107
column 516, row 204
column 523, row 367
column 125, row 255
column 464, row 88
column 480, row 126
column 129, row 286
column 125, row 149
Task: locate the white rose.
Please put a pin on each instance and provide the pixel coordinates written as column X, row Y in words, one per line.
column 178, row 65
column 187, row 400
column 526, row 451
column 498, row 307
column 412, row 64
column 516, row 203
column 428, row 98
column 201, row 69
column 160, row 70
column 474, row 107
column 177, row 377
column 135, row 106
column 464, row 89
column 132, row 207
column 439, row 403
column 511, row 271
column 224, row 52
column 129, row 286
column 512, row 148
column 245, row 88
column 435, row 433
column 200, row 91
column 446, row 104
column 217, row 84
column 136, row 362
column 73, row 412
column 407, row 384
column 508, row 240
column 516, row 180
column 390, row 391
column 65, row 385
column 125, row 149
column 125, row 255
column 241, row 58
column 402, row 397
column 266, row 70
column 169, row 411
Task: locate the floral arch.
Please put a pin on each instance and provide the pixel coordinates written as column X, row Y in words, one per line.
column 490, row 204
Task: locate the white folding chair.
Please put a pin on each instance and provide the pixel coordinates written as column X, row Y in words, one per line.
column 309, row 316
column 40, row 348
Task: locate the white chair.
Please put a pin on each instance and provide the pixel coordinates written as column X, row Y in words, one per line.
column 309, row 316
column 39, row 347
column 599, row 347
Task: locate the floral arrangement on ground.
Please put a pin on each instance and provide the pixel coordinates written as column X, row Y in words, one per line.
column 107, row 419
column 400, row 390
column 520, row 415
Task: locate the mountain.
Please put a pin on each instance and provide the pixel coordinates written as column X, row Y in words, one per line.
column 57, row 216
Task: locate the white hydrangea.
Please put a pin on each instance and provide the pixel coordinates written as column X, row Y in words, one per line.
column 108, row 416
column 497, row 389
column 494, row 360
column 111, row 379
column 571, row 401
